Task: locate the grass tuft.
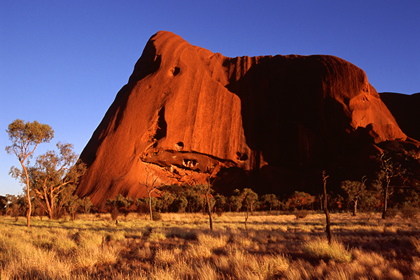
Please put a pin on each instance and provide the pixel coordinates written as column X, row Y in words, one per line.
column 319, row 248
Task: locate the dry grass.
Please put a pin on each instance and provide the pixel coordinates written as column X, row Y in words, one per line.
column 320, row 249
column 182, row 247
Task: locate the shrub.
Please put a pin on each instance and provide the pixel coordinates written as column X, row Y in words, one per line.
column 409, row 212
column 300, row 200
column 301, row 214
column 115, row 213
column 157, row 235
column 182, row 233
column 156, row 216
column 219, row 212
column 391, row 212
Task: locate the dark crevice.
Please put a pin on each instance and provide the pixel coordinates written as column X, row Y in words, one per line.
column 179, row 146
column 162, row 125
column 175, row 71
column 241, row 156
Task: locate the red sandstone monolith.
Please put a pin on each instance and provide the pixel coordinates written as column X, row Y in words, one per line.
column 269, row 122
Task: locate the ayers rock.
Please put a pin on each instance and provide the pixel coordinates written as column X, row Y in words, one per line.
column 272, row 123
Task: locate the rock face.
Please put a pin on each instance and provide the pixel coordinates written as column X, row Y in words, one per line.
column 405, row 109
column 269, row 122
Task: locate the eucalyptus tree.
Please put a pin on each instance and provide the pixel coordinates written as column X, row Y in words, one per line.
column 53, row 173
column 249, row 199
column 270, row 201
column 25, row 138
column 355, row 190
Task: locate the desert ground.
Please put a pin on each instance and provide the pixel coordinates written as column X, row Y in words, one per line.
column 181, row 246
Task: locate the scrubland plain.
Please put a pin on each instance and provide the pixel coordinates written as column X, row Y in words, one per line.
column 180, row 246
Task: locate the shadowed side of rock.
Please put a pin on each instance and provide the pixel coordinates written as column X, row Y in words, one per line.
column 405, row 108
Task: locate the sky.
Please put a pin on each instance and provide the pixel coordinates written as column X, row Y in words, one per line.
column 62, row 62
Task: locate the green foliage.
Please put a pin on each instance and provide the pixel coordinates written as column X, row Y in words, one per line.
column 120, row 201
column 371, row 201
column 388, row 170
column 155, row 202
column 180, row 199
column 270, row 201
column 120, row 204
column 85, row 205
column 15, row 205
column 72, row 204
column 142, row 206
column 355, row 190
column 220, row 203
column 166, row 200
column 156, row 216
column 3, row 203
column 235, row 201
column 179, row 204
column 56, row 173
column 250, row 199
column 25, row 138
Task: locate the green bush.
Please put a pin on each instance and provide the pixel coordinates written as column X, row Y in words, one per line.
column 156, row 216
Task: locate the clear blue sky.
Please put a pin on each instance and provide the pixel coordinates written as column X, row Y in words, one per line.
column 62, row 62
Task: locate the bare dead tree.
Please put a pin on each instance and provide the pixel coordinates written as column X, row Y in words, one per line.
column 327, row 213
column 209, row 212
column 388, row 170
column 210, row 181
column 150, row 188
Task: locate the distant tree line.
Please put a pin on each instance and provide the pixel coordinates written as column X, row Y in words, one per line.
column 67, row 204
column 356, row 196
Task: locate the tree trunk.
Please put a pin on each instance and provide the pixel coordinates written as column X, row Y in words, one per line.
column 28, row 196
column 28, row 211
column 209, row 209
column 327, row 213
column 150, row 205
column 321, row 202
column 385, row 207
column 52, row 209
column 48, row 205
column 246, row 220
column 355, row 207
